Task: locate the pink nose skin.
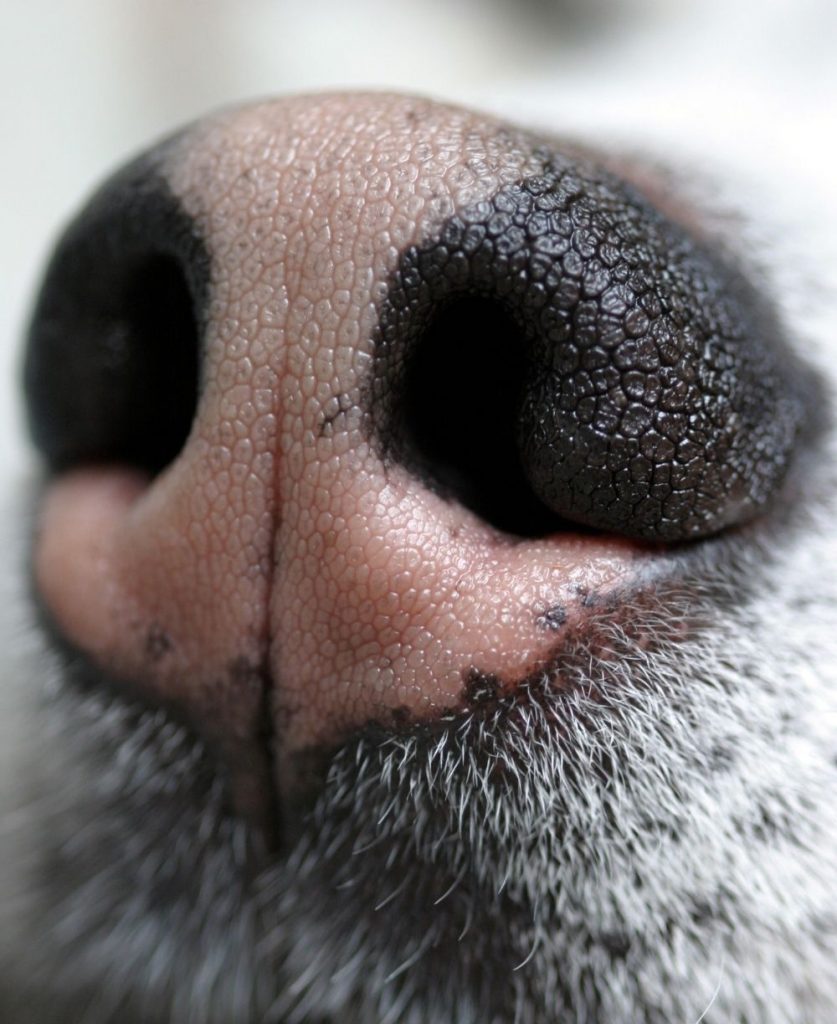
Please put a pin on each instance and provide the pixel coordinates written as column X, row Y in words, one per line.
column 282, row 575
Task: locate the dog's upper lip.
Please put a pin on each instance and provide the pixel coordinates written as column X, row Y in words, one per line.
column 523, row 596
column 604, row 581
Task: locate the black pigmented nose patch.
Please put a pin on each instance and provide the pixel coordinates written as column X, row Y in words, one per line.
column 563, row 351
column 114, row 348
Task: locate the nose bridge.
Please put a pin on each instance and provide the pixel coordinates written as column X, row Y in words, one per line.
column 304, row 228
column 304, row 554
column 384, row 599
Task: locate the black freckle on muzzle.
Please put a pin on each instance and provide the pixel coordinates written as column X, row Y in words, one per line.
column 563, row 352
column 113, row 356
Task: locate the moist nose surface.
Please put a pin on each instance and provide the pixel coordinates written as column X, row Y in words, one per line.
column 320, row 549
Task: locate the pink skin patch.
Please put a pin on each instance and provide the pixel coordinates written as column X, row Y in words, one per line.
column 272, row 555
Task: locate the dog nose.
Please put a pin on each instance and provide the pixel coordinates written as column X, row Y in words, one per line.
column 289, row 371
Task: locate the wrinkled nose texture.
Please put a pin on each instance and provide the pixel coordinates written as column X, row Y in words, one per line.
column 286, row 569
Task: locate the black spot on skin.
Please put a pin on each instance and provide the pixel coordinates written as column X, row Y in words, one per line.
column 588, row 361
column 401, row 717
column 416, row 115
column 335, row 408
column 481, row 688
column 553, row 618
column 158, row 643
column 113, row 359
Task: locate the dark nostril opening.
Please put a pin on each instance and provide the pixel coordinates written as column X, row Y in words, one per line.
column 151, row 337
column 113, row 360
column 460, row 410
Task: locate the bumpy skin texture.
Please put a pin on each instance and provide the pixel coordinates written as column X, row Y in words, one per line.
column 281, row 564
column 336, row 734
column 653, row 397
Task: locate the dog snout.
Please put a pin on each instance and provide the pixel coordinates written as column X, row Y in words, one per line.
column 350, row 403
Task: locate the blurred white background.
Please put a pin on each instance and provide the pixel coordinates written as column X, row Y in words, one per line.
column 87, row 82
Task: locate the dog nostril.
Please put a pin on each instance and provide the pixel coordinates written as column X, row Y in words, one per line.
column 112, row 365
column 459, row 411
column 565, row 347
column 156, row 334
column 148, row 363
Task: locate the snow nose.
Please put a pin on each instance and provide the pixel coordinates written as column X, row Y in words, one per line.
column 295, row 373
